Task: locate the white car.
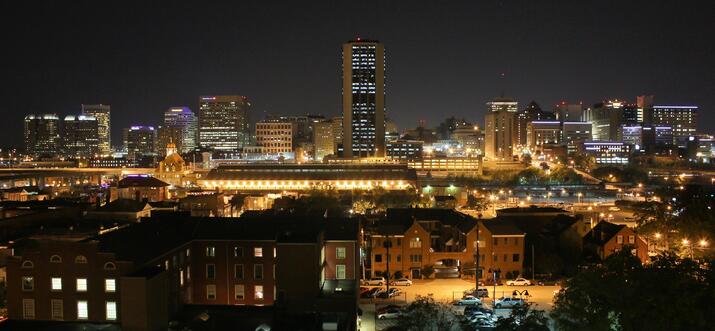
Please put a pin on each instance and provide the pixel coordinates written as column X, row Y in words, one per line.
column 376, row 281
column 469, row 301
column 518, row 282
column 389, row 313
column 401, row 282
column 508, row 302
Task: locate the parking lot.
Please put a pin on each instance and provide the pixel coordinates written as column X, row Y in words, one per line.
column 449, row 290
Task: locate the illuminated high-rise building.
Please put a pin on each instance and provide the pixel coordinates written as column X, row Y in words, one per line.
column 102, row 114
column 223, row 122
column 503, row 103
column 682, row 119
column 140, row 141
column 363, row 99
column 498, row 134
column 606, row 119
column 184, row 119
column 323, row 139
column 42, row 135
column 80, row 136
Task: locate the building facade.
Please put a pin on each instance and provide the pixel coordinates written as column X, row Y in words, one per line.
column 498, row 134
column 275, row 137
column 404, row 149
column 606, row 119
column 575, row 134
column 42, row 135
column 224, row 122
column 140, row 141
column 81, row 136
column 682, row 119
column 323, row 139
column 184, row 119
column 104, row 125
column 363, row 99
column 609, row 152
column 541, row 133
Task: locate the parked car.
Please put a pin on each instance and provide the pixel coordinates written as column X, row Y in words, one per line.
column 376, row 281
column 468, row 301
column 383, row 294
column 470, row 310
column 389, row 313
column 518, row 282
column 370, row 293
column 508, row 302
column 401, row 282
column 385, row 308
column 479, row 293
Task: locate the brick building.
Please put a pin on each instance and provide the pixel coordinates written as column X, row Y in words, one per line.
column 607, row 238
column 140, row 275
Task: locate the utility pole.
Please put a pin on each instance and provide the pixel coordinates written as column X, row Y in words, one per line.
column 387, row 244
column 476, row 258
column 533, row 258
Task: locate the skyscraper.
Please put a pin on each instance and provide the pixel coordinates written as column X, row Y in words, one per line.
column 183, row 118
column 102, row 114
column 683, row 120
column 363, row 98
column 223, row 122
column 503, row 103
column 42, row 135
column 531, row 113
column 168, row 134
column 81, row 136
column 140, row 141
column 498, row 134
column 323, row 139
column 606, row 119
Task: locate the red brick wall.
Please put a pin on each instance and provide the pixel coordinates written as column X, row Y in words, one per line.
column 350, row 260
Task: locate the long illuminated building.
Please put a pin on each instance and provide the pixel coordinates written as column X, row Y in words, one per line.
column 278, row 177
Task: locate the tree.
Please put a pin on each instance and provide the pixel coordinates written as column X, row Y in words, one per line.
column 623, row 294
column 478, row 204
column 427, row 271
column 424, row 314
column 523, row 318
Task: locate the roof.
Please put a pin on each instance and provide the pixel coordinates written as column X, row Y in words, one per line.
column 602, row 233
column 140, row 181
column 405, row 217
column 531, row 209
column 123, row 205
column 312, row 172
column 499, row 227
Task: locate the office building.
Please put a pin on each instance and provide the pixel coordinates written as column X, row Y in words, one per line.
column 42, row 135
column 568, row 112
column 224, row 122
column 645, row 109
column 606, row 119
column 81, row 136
column 574, row 134
column 363, row 99
column 683, row 120
column 471, row 139
column 140, row 142
column 323, row 139
column 608, row 152
column 183, row 118
column 447, row 166
column 503, row 104
column 337, row 132
column 275, row 137
column 403, row 149
column 104, row 125
column 541, row 133
column 532, row 112
column 498, row 135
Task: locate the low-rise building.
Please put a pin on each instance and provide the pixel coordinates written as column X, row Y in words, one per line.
column 140, row 188
column 607, row 238
column 608, row 152
column 122, row 210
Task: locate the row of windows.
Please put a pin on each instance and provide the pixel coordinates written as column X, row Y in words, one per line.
column 57, row 309
column 505, row 241
column 238, row 271
column 80, row 259
column 28, row 284
column 238, row 251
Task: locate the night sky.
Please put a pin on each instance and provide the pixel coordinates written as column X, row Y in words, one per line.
column 443, row 57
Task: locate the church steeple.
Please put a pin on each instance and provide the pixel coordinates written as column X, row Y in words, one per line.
column 170, row 147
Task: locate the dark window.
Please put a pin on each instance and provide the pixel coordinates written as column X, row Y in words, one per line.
column 496, row 241
column 210, row 271
column 238, row 271
column 238, row 251
column 378, row 257
column 257, row 271
column 515, row 258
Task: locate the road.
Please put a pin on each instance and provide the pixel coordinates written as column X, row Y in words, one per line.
column 447, row 291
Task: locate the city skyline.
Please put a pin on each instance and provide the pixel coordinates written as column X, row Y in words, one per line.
column 140, row 81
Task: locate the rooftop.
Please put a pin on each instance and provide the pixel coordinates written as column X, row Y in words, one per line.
column 140, row 181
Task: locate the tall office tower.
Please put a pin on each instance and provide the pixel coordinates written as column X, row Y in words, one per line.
column 42, row 135
column 574, row 134
column 683, row 120
column 81, row 136
column 532, row 112
column 223, row 122
column 498, row 134
column 275, row 137
column 631, row 115
column 606, row 118
column 568, row 112
column 302, row 126
column 323, row 139
column 140, row 141
column 168, row 134
column 184, row 118
column 363, row 99
column 102, row 114
column 337, row 133
column 645, row 109
column 503, row 103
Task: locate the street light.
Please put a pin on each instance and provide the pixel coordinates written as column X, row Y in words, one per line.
column 657, row 235
column 579, row 196
column 703, row 243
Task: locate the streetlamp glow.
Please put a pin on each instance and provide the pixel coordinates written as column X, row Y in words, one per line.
column 657, row 235
column 703, row 243
column 686, row 241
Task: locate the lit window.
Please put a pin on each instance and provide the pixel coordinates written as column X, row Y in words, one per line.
column 80, row 259
column 82, row 312
column 238, row 251
column 57, row 309
column 211, row 292
column 258, row 251
column 28, row 309
column 631, row 239
column 28, row 283
column 240, row 291
column 258, row 292
column 210, row 251
column 111, row 310
column 81, row 284
column 340, row 271
column 110, row 285
column 56, row 284
column 340, row 253
column 619, row 239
